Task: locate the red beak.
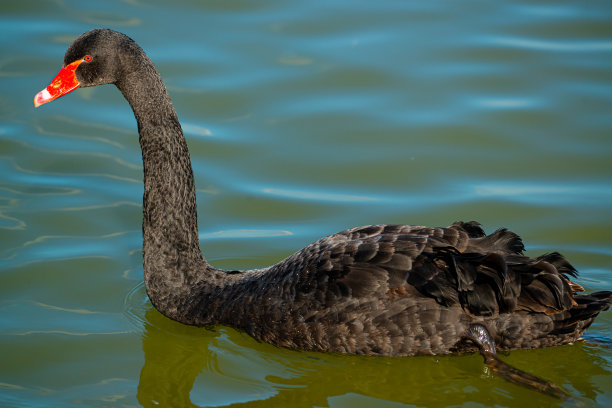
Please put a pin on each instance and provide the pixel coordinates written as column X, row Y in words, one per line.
column 64, row 82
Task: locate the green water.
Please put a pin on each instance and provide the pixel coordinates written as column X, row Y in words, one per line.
column 303, row 119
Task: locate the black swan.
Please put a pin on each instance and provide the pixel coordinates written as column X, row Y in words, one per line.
column 393, row 290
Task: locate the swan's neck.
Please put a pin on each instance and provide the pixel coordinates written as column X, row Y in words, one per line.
column 174, row 268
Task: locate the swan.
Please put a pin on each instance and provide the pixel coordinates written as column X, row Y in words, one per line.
column 392, row 290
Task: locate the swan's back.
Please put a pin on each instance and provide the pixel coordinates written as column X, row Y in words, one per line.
column 406, row 290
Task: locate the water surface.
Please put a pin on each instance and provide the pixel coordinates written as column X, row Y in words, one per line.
column 303, row 119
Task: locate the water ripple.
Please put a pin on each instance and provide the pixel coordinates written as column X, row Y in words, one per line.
column 244, row 233
column 316, row 195
column 550, row 193
column 553, row 45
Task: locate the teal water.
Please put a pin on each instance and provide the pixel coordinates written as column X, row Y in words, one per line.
column 303, row 119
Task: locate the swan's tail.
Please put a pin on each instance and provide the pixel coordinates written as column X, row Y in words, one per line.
column 580, row 316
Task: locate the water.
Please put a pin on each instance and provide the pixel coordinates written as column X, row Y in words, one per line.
column 303, row 119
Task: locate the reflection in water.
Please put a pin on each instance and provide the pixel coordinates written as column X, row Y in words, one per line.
column 167, row 377
column 189, row 366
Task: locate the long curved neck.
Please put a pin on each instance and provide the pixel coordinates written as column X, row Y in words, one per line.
column 173, row 262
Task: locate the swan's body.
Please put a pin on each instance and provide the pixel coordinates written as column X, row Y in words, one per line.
column 382, row 290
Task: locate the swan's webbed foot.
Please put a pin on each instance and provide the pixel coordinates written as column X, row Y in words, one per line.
column 480, row 335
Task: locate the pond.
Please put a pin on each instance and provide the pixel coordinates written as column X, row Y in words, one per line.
column 303, row 119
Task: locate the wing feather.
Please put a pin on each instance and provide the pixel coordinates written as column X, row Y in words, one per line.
column 484, row 274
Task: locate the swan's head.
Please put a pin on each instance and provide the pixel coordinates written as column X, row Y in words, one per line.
column 98, row 57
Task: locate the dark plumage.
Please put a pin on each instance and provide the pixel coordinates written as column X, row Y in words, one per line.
column 382, row 290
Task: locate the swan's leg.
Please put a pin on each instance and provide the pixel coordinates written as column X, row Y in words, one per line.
column 479, row 335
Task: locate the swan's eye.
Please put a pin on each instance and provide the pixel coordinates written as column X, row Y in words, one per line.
column 87, row 58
